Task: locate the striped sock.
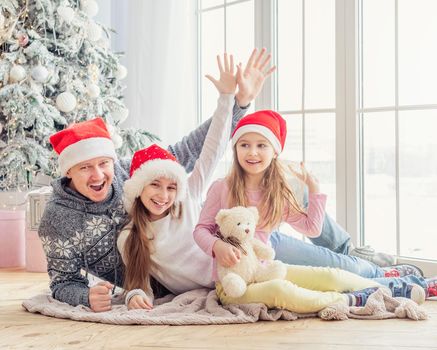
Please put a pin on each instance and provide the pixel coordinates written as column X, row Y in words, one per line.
column 359, row 297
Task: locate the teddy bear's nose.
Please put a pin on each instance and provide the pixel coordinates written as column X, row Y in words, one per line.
column 247, row 230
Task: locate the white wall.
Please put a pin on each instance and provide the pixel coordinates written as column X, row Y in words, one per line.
column 159, row 39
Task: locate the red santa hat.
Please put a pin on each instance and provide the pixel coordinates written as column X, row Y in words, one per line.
column 267, row 123
column 82, row 141
column 149, row 164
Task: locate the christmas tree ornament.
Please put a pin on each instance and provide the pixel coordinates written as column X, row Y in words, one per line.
column 120, row 114
column 39, row 73
column 66, row 13
column 1, row 128
column 94, row 31
column 22, row 39
column 121, row 72
column 93, row 72
column 93, row 90
column 90, row 7
column 17, row 73
column 66, row 102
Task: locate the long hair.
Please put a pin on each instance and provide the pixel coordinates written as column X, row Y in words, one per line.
column 139, row 246
column 277, row 197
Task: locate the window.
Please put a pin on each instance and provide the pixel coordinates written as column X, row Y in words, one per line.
column 398, row 111
column 306, row 86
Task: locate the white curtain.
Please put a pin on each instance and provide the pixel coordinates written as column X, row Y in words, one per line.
column 159, row 39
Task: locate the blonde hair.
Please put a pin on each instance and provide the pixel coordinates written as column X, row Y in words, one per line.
column 138, row 246
column 277, row 193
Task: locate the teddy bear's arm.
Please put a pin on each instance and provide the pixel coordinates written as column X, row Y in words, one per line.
column 262, row 250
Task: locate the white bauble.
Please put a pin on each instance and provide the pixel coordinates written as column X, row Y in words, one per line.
column 93, row 91
column 90, row 7
column 121, row 72
column 39, row 73
column 94, row 31
column 66, row 102
column 66, row 13
column 120, row 114
column 1, row 128
column 17, row 73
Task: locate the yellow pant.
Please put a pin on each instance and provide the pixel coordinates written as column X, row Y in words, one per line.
column 305, row 289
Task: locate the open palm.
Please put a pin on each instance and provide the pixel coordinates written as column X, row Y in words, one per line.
column 251, row 79
column 227, row 83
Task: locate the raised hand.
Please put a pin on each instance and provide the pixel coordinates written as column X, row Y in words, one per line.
column 251, row 79
column 306, row 177
column 227, row 82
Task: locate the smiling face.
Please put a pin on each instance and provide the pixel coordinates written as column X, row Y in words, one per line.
column 92, row 178
column 158, row 197
column 254, row 153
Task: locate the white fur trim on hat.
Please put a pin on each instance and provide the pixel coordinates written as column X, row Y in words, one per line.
column 266, row 132
column 151, row 170
column 85, row 149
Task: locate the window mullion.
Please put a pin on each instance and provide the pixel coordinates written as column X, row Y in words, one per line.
column 265, row 36
column 347, row 140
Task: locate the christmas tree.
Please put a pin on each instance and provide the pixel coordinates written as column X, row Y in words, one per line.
column 56, row 68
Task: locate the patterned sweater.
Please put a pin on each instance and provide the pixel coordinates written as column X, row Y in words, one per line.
column 78, row 233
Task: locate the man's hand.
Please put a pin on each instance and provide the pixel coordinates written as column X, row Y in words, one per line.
column 100, row 297
column 139, row 302
column 251, row 79
column 226, row 254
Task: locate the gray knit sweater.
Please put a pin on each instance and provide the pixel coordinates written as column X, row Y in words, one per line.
column 79, row 234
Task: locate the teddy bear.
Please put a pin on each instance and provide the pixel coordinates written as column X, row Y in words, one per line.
column 237, row 227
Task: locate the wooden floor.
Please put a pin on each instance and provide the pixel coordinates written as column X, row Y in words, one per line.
column 22, row 330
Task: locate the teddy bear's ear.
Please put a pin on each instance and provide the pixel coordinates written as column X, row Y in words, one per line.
column 254, row 212
column 221, row 216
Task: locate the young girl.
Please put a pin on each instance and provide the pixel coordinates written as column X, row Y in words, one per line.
column 257, row 179
column 164, row 205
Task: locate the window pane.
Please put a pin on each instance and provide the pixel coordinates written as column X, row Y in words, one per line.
column 379, row 181
column 320, row 154
column 212, row 44
column 289, row 72
column 418, row 183
column 210, row 3
column 378, row 53
column 417, row 52
column 240, row 30
column 293, row 145
column 319, row 54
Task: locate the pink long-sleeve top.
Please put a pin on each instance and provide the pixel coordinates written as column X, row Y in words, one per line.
column 309, row 223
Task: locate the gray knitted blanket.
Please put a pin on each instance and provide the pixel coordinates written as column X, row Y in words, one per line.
column 201, row 306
